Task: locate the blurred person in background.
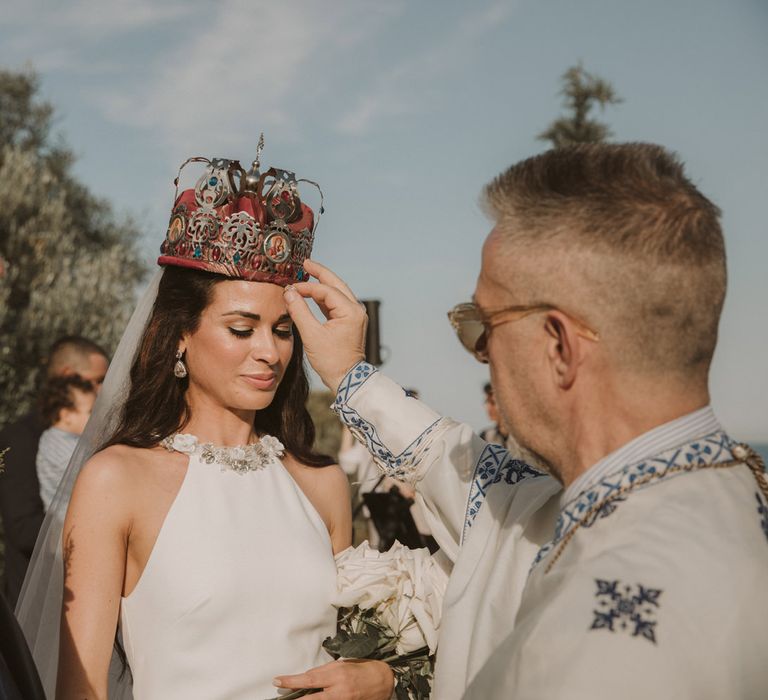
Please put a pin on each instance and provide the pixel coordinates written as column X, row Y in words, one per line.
column 493, row 433
column 360, row 467
column 21, row 507
column 65, row 406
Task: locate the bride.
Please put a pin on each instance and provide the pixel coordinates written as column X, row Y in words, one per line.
column 204, row 531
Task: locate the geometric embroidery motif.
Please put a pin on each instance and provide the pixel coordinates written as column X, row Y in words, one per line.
column 353, row 380
column 604, row 510
column 709, row 449
column 626, row 608
column 762, row 511
column 494, row 466
column 399, row 466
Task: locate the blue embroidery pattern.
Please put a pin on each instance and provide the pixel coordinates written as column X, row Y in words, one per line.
column 604, row 510
column 712, row 448
column 353, row 380
column 623, row 607
column 396, row 466
column 762, row 511
column 493, row 466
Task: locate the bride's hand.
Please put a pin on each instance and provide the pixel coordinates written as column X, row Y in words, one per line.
column 337, row 345
column 344, row 680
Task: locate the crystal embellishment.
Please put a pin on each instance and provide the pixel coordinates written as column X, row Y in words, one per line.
column 241, row 459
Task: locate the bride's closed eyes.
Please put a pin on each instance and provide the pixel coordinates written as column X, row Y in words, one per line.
column 280, row 331
column 283, row 327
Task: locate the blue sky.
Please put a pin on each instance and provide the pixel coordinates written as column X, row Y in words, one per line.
column 402, row 111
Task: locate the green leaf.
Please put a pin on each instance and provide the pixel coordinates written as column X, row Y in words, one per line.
column 401, row 692
column 358, row 647
column 422, row 685
column 333, row 646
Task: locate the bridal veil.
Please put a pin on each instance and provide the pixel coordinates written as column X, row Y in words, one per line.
column 40, row 602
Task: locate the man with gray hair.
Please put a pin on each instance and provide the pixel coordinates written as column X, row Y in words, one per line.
column 639, row 570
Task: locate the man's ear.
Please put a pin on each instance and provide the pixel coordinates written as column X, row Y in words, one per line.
column 564, row 349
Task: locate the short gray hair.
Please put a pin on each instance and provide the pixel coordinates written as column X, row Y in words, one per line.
column 659, row 280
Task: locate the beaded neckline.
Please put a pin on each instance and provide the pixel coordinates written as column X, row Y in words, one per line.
column 241, row 459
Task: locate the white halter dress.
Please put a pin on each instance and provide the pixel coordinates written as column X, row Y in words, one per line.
column 238, row 587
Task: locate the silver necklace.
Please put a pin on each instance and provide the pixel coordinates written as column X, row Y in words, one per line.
column 241, row 459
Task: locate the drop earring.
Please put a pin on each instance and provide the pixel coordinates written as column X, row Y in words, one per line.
column 179, row 369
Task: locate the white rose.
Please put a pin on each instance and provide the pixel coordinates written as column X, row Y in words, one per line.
column 184, row 443
column 365, row 577
column 410, row 634
column 405, row 586
column 427, row 603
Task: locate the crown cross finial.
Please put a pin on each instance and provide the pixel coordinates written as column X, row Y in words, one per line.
column 259, row 149
column 253, row 175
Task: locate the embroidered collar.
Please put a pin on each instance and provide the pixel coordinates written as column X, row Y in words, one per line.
column 660, row 439
column 241, row 459
column 708, row 450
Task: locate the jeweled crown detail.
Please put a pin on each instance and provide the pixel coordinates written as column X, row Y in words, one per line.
column 246, row 225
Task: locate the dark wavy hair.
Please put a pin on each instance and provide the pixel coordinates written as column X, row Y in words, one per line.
column 156, row 405
column 57, row 394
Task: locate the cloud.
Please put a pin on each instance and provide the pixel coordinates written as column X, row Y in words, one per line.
column 248, row 69
column 63, row 37
column 216, row 73
column 404, row 86
column 83, row 17
column 119, row 16
column 371, row 107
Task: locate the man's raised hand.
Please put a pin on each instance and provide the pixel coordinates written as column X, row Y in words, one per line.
column 338, row 344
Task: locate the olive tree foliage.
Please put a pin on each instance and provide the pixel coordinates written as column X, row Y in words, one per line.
column 581, row 91
column 327, row 424
column 68, row 265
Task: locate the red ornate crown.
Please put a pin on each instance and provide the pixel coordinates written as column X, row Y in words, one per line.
column 245, row 225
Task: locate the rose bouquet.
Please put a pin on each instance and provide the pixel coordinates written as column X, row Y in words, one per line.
column 389, row 610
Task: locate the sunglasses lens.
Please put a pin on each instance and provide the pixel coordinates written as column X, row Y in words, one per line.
column 470, row 332
column 466, row 321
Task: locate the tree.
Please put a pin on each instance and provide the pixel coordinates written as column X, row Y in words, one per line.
column 581, row 92
column 327, row 424
column 69, row 265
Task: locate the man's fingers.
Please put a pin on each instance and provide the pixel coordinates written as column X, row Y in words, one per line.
column 325, row 276
column 332, row 302
column 300, row 313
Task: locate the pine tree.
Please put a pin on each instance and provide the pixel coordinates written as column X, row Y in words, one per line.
column 68, row 265
column 581, row 92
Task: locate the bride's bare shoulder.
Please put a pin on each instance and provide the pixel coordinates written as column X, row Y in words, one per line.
column 120, row 466
column 330, row 480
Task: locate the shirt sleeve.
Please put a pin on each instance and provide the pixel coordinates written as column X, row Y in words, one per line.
column 450, row 466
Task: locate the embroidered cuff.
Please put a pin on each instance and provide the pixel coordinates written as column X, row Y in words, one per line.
column 352, row 381
column 396, row 429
